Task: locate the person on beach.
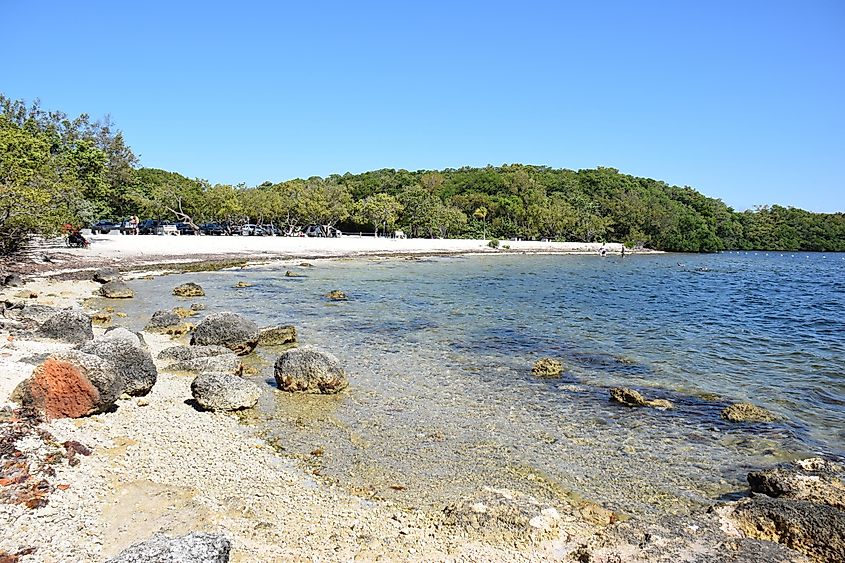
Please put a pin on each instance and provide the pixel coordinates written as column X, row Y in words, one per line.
column 133, row 224
column 623, row 251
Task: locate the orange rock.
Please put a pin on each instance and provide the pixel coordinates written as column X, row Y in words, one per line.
column 59, row 389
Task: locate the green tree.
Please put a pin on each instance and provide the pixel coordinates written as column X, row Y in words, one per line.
column 380, row 210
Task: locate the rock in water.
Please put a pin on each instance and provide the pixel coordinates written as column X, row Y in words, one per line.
column 290, row 274
column 189, row 289
column 310, row 371
column 70, row 385
column 195, row 547
column 227, row 329
column 337, row 295
column 134, row 364
column 816, row 530
column 277, row 336
column 631, row 398
column 812, row 479
column 746, row 412
column 224, row 392
column 106, row 275
column 547, row 367
column 68, row 325
column 116, row 290
column 162, row 320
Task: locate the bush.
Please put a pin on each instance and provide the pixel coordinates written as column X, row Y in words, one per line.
column 494, row 243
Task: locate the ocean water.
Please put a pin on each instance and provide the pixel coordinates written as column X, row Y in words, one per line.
column 442, row 400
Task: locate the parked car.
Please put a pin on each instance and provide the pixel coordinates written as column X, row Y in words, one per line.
column 148, row 226
column 185, row 229
column 104, row 226
column 250, row 230
column 216, row 229
column 322, row 231
column 270, row 230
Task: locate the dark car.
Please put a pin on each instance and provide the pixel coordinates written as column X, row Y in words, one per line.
column 322, row 231
column 185, row 229
column 104, row 227
column 215, row 229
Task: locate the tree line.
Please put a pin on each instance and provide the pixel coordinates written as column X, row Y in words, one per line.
column 55, row 169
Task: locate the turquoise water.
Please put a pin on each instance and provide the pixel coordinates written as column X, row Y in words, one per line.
column 442, row 399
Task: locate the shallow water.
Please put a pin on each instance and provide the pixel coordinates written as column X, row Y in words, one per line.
column 442, row 400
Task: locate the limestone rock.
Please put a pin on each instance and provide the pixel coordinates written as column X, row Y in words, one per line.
column 34, row 311
column 179, row 353
column 71, row 384
column 277, row 336
column 179, row 330
column 631, row 398
column 68, row 325
column 816, row 530
column 223, row 363
column 134, row 364
column 195, row 547
column 12, row 280
column 812, row 479
column 125, row 335
column 116, row 290
column 224, row 392
column 547, row 367
column 101, row 317
column 241, row 284
column 184, row 312
column 162, row 320
column 337, row 295
column 310, row 371
column 290, row 274
column 746, row 412
column 189, row 289
column 105, row 275
column 234, row 331
column 197, row 306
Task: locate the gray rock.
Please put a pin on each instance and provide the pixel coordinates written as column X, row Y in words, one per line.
column 134, row 364
column 224, row 392
column 223, row 363
column 71, row 384
column 32, row 311
column 812, row 479
column 126, row 335
column 197, row 306
column 310, row 371
column 746, row 412
column 196, row 547
column 631, row 398
column 116, row 290
column 68, row 325
column 162, row 320
column 277, row 336
column 816, row 530
column 547, row 367
column 234, row 331
column 106, row 275
column 189, row 289
column 179, row 353
column 12, row 280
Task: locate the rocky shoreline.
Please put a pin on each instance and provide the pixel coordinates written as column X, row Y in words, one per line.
column 168, row 457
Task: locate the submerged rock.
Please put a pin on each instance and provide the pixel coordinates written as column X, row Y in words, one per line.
column 71, row 384
column 310, row 371
column 812, row 479
column 184, row 312
column 68, row 325
column 197, row 306
column 189, row 289
column 337, row 295
column 746, row 412
column 547, row 367
column 195, row 547
column 162, row 320
column 277, row 336
column 224, row 392
column 816, row 530
column 134, row 364
column 116, row 290
column 105, row 275
column 290, row 274
column 631, row 398
column 234, row 331
column 241, row 284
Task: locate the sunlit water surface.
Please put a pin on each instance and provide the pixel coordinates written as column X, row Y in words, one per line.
column 442, row 400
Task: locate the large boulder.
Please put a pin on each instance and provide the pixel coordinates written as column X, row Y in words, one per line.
column 746, row 412
column 162, row 320
column 126, row 335
column 631, row 398
column 812, row 479
column 277, row 336
column 106, row 275
column 116, row 289
column 189, row 289
column 32, row 311
column 224, row 392
column 195, row 547
column 309, row 370
column 179, row 353
column 816, row 530
column 234, row 331
column 71, row 384
column 222, row 363
column 134, row 364
column 68, row 325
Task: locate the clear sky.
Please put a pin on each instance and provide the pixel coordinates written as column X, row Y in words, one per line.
column 742, row 100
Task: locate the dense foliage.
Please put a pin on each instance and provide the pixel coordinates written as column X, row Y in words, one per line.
column 54, row 169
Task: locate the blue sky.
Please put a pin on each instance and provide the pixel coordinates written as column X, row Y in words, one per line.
column 745, row 101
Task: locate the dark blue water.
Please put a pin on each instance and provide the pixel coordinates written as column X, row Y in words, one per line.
column 442, row 399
